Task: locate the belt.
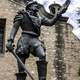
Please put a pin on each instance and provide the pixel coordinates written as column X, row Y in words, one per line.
column 30, row 33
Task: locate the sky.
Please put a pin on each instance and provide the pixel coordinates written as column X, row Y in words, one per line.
column 71, row 12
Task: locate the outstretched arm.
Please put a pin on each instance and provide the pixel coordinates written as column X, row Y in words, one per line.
column 50, row 22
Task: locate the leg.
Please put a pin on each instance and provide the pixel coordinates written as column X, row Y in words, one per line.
column 21, row 75
column 23, row 52
column 40, row 53
column 42, row 63
column 20, row 69
column 39, row 50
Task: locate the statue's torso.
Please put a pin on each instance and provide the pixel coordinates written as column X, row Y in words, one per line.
column 31, row 23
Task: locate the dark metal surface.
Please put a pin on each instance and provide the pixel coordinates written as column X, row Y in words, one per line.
column 21, row 63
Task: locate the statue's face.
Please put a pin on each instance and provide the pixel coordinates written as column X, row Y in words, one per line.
column 34, row 7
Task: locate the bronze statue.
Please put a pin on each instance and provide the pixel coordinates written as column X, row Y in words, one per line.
column 30, row 23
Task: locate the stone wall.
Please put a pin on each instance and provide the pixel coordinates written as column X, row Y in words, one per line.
column 70, row 51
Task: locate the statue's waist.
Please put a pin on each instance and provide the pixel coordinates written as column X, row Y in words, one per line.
column 30, row 33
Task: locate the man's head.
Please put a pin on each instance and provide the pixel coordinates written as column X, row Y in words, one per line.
column 33, row 5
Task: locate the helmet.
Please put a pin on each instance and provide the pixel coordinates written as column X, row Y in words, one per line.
column 30, row 3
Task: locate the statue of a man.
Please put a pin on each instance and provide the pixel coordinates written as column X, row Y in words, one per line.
column 30, row 23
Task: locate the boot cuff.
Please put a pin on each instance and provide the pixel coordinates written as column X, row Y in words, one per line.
column 41, row 62
column 21, row 74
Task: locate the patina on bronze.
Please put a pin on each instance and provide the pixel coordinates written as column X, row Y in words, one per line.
column 30, row 23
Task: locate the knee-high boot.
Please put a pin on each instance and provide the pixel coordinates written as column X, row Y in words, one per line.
column 42, row 69
column 21, row 76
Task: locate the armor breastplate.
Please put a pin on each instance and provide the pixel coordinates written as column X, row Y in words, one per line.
column 36, row 21
column 31, row 23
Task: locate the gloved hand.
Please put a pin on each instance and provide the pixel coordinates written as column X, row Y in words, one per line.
column 10, row 46
column 65, row 6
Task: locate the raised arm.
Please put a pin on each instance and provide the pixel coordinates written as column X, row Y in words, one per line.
column 50, row 22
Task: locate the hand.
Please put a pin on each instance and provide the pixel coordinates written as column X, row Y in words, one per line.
column 10, row 46
column 65, row 6
column 64, row 10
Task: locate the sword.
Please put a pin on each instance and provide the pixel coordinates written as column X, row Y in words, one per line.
column 21, row 63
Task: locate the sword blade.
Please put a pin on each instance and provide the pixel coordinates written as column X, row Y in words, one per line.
column 22, row 65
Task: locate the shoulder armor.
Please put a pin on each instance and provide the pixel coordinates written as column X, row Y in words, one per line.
column 19, row 16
